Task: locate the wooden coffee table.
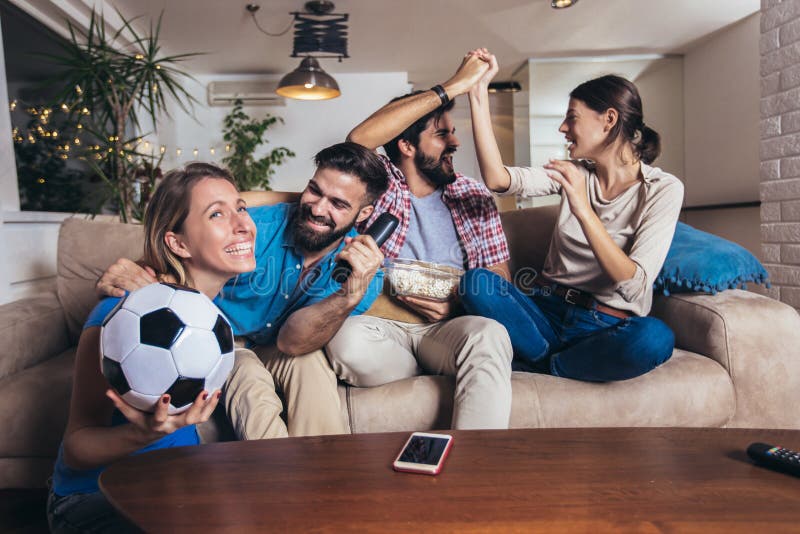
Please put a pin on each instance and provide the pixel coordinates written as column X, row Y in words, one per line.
column 516, row 480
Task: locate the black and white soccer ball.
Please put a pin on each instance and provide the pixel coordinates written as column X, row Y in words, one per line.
column 165, row 338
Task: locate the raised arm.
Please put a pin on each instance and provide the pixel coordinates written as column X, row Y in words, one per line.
column 389, row 121
column 490, row 162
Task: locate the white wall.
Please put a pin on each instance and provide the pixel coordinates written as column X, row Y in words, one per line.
column 721, row 103
column 740, row 225
column 661, row 89
column 466, row 160
column 308, row 126
column 721, row 114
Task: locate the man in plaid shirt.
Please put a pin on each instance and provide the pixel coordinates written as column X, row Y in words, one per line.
column 446, row 218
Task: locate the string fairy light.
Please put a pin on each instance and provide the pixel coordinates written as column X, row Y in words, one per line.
column 39, row 130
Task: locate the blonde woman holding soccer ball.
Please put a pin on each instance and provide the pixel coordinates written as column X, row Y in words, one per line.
column 195, row 214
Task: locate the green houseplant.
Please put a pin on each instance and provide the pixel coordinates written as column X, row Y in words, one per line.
column 245, row 135
column 107, row 88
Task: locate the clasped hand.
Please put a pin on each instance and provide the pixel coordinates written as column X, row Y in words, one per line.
column 124, row 275
column 573, row 182
column 432, row 310
column 473, row 69
column 365, row 258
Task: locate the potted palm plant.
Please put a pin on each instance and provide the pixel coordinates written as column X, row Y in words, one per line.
column 107, row 87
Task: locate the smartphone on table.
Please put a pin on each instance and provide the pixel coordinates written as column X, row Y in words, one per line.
column 424, row 453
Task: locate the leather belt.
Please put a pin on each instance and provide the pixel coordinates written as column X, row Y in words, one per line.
column 584, row 299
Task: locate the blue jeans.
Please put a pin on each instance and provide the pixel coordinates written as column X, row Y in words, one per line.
column 85, row 512
column 550, row 335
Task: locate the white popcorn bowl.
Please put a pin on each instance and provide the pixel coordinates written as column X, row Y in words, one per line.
column 414, row 278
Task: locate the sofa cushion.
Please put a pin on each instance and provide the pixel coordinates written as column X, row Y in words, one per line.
column 81, row 262
column 33, row 408
column 688, row 390
column 417, row 403
column 29, row 472
column 529, row 231
column 31, row 330
column 754, row 338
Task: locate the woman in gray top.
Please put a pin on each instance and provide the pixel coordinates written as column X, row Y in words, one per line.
column 585, row 318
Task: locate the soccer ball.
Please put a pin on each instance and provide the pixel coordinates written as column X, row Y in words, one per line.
column 165, row 338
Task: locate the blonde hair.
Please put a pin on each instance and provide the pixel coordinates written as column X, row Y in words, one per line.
column 167, row 212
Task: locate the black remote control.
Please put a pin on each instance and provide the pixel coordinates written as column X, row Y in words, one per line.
column 380, row 231
column 774, row 457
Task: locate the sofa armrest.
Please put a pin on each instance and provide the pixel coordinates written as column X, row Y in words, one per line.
column 31, row 330
column 755, row 338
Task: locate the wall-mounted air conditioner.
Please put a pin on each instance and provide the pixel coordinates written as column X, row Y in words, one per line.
column 252, row 93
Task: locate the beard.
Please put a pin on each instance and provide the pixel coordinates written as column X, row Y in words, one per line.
column 311, row 240
column 433, row 169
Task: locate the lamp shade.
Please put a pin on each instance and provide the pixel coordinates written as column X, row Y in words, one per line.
column 308, row 82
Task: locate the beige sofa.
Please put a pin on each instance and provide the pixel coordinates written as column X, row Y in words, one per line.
column 737, row 363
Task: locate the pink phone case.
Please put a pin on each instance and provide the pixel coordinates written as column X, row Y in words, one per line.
column 425, row 472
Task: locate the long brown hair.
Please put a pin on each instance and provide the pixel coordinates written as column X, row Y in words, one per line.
column 167, row 212
column 616, row 92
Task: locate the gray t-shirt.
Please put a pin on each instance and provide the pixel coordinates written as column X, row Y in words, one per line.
column 641, row 221
column 431, row 233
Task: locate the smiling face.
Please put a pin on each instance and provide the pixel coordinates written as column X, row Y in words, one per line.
column 217, row 237
column 585, row 130
column 331, row 204
column 434, row 152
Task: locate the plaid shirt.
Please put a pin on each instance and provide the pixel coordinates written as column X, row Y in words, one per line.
column 474, row 214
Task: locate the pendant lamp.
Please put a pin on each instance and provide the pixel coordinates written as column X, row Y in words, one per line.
column 318, row 33
column 308, row 82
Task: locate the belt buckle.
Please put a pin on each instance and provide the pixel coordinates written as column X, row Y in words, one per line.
column 571, row 296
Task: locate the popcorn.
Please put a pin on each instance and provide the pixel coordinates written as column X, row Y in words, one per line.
column 422, row 279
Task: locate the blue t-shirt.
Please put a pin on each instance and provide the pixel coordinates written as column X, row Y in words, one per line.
column 258, row 303
column 67, row 481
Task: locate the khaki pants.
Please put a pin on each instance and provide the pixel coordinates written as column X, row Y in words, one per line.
column 306, row 382
column 369, row 351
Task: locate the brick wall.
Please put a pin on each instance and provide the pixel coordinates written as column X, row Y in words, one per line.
column 780, row 147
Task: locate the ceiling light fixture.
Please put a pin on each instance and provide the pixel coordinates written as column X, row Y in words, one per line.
column 318, row 33
column 308, row 82
column 562, row 4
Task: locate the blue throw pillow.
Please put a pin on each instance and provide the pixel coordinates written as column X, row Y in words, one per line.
column 699, row 261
